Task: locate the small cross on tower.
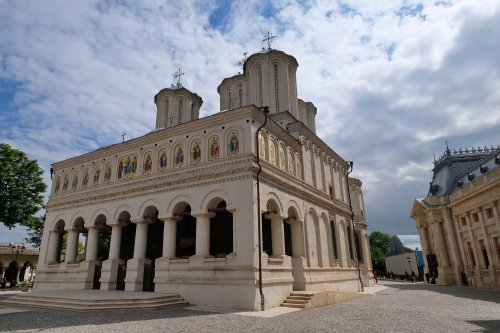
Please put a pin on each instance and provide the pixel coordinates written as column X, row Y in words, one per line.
column 124, row 134
column 269, row 40
column 178, row 77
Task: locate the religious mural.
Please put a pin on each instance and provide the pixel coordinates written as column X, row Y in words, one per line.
column 58, row 184
column 162, row 159
column 213, row 147
column 290, row 162
column 147, row 165
column 65, row 183
column 262, row 146
column 178, row 155
column 282, row 158
column 97, row 175
column 272, row 152
column 107, row 172
column 195, row 151
column 74, row 183
column 127, row 166
column 233, row 145
column 85, row 179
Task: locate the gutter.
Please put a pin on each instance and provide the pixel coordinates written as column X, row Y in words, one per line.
column 265, row 110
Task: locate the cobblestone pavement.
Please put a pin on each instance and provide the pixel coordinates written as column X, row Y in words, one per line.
column 402, row 307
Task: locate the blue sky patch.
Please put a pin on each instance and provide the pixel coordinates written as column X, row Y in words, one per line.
column 411, row 10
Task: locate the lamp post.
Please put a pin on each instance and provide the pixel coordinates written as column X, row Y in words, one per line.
column 16, row 250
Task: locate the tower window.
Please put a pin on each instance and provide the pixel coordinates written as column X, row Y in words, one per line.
column 276, row 87
column 259, row 88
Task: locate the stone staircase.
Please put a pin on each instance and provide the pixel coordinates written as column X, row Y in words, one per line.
column 84, row 302
column 298, row 300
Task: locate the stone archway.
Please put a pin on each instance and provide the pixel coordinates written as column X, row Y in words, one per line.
column 221, row 230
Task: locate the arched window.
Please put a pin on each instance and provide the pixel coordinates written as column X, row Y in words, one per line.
column 180, row 112
column 240, row 96
column 276, row 87
column 259, row 86
column 334, row 239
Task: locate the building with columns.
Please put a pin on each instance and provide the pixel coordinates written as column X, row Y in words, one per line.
column 177, row 210
column 459, row 220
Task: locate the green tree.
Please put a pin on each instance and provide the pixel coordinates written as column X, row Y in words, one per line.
column 35, row 231
column 21, row 187
column 379, row 246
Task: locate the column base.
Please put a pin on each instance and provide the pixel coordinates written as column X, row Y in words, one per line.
column 134, row 279
column 109, row 273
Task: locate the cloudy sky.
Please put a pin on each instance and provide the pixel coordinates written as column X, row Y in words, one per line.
column 392, row 80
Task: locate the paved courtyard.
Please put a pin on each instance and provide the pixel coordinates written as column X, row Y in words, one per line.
column 401, row 307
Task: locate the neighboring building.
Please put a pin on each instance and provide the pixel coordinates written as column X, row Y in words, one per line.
column 459, row 222
column 17, row 262
column 175, row 210
column 405, row 256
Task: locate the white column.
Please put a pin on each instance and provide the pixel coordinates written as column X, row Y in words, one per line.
column 53, row 247
column 203, row 234
column 141, row 239
column 297, row 238
column 92, row 240
column 278, row 235
column 169, row 236
column 116, row 239
column 71, row 246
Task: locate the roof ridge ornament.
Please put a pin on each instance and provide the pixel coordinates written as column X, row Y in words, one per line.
column 269, row 41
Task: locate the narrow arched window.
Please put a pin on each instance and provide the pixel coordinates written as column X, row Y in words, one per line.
column 334, row 239
column 180, row 112
column 276, row 87
column 259, row 86
column 240, row 96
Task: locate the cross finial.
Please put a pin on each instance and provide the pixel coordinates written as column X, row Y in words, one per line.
column 269, row 39
column 123, row 135
column 178, row 76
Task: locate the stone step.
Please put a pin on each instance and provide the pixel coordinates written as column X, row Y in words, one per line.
column 94, row 305
column 299, row 297
column 289, row 305
column 296, row 301
column 302, row 294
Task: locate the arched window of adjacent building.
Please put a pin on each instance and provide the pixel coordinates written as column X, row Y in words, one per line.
column 166, row 120
column 221, row 231
column 276, row 87
column 334, row 239
column 357, row 242
column 229, row 99
column 349, row 240
column 260, row 89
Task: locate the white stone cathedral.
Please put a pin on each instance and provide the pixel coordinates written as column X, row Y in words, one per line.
column 177, row 210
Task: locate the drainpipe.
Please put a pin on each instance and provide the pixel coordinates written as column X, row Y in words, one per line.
column 351, row 164
column 265, row 110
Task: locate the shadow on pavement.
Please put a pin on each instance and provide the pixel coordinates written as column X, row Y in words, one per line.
column 489, row 295
column 488, row 325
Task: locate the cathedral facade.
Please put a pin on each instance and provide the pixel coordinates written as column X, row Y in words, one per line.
column 235, row 209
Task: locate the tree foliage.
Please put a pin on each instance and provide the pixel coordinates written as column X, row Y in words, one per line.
column 380, row 240
column 379, row 246
column 21, row 185
column 35, row 231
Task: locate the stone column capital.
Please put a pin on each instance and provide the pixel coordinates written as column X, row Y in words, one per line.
column 169, row 218
column 203, row 214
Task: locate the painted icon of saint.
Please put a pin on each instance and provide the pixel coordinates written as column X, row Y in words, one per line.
column 234, row 144
column 214, row 147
